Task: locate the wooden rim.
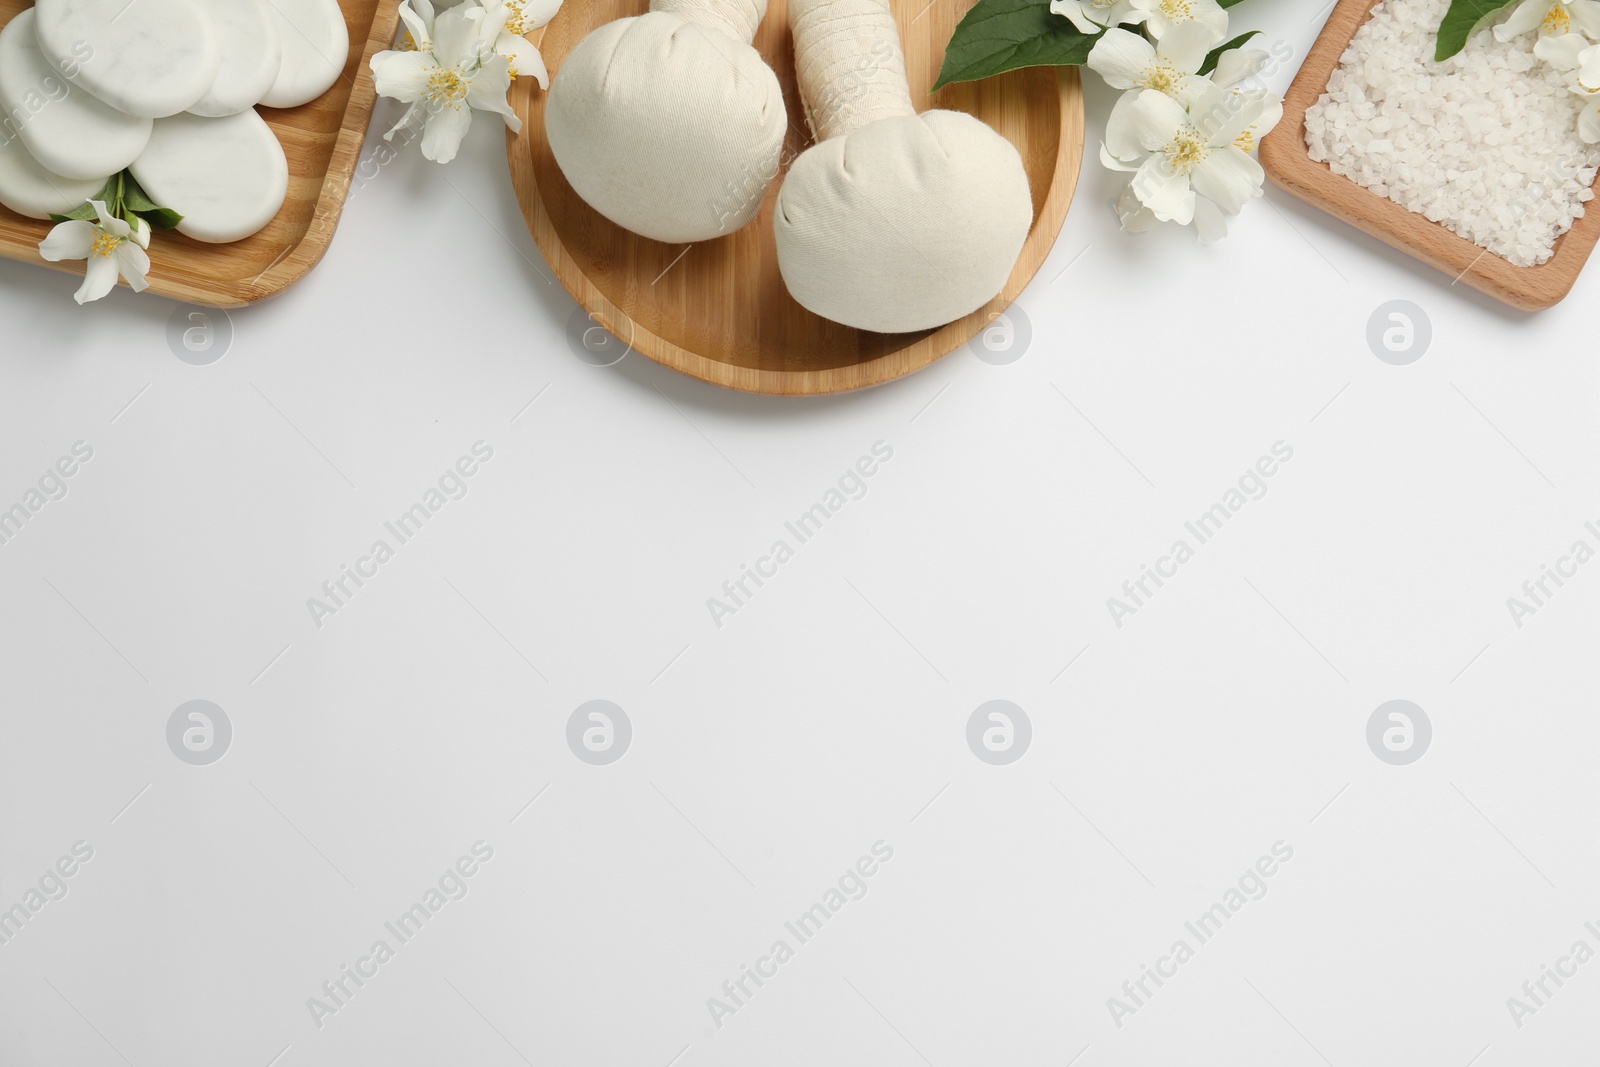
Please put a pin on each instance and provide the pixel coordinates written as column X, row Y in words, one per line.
column 1287, row 160
column 268, row 262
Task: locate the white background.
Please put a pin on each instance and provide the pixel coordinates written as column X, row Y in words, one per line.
column 830, row 711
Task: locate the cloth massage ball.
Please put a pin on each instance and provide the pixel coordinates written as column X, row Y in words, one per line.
column 893, row 221
column 670, row 124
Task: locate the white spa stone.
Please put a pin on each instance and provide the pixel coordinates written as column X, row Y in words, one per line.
column 227, row 176
column 315, row 47
column 252, row 54
column 68, row 131
column 29, row 189
column 149, row 57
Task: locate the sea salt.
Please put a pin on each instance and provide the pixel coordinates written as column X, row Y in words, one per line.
column 1485, row 143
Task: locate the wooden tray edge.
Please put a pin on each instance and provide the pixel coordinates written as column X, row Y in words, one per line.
column 309, row 250
column 298, row 259
column 1041, row 238
column 1287, row 161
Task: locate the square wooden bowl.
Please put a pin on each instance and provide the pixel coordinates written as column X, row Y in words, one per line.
column 322, row 140
column 1288, row 163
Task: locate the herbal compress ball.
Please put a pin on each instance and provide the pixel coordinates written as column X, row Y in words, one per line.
column 670, row 124
column 895, row 221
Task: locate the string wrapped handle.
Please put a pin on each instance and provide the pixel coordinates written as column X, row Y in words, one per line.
column 850, row 64
column 737, row 18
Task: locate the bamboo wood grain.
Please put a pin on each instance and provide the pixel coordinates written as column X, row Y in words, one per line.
column 718, row 310
column 1287, row 161
column 322, row 140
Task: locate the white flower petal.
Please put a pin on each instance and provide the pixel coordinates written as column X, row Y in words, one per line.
column 536, row 13
column 418, row 27
column 1589, row 67
column 1229, row 177
column 1153, row 120
column 1164, row 191
column 1122, row 58
column 523, row 58
column 535, row 69
column 402, row 76
column 133, row 263
column 1111, row 162
column 458, row 36
column 489, row 88
column 492, row 21
column 1589, row 123
column 1191, row 89
column 1228, row 115
column 1585, row 16
column 1560, row 51
column 68, row 240
column 1134, row 216
column 1127, row 13
column 1186, row 45
column 446, row 128
column 1237, row 64
column 99, row 278
column 1212, row 16
column 1203, row 95
column 1270, row 116
column 1121, row 136
column 1073, row 10
column 416, row 115
column 1528, row 15
column 109, row 222
column 1093, row 17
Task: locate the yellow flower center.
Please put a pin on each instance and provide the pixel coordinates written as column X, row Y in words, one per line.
column 446, row 87
column 511, row 66
column 104, row 243
column 1246, row 141
column 517, row 23
column 1177, row 10
column 1186, row 150
column 406, row 43
column 1556, row 20
column 1161, row 76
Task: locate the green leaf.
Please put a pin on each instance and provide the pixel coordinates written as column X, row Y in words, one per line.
column 1226, row 3
column 134, row 198
column 160, row 218
column 135, row 201
column 1227, row 46
column 125, row 199
column 1461, row 22
column 1001, row 35
column 84, row 213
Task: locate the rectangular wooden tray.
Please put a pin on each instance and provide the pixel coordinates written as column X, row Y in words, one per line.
column 323, row 142
column 1287, row 161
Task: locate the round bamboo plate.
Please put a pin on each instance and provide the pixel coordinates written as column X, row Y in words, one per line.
column 718, row 310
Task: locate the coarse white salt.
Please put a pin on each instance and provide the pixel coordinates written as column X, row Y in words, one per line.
column 1485, row 143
